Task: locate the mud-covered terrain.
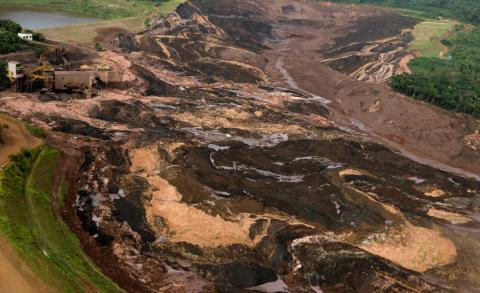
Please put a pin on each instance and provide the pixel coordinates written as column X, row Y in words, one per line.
column 229, row 157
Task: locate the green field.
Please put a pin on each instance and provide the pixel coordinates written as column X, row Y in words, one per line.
column 89, row 32
column 428, row 36
column 27, row 221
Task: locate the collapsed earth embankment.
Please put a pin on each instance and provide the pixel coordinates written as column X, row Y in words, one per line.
column 236, row 159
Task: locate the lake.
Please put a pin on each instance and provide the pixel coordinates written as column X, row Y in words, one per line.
column 39, row 18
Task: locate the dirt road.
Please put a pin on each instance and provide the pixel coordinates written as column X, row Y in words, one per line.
column 16, row 137
column 15, row 275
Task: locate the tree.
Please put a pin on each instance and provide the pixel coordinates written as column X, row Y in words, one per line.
column 99, row 47
column 147, row 22
column 9, row 42
column 39, row 37
column 4, row 81
column 10, row 26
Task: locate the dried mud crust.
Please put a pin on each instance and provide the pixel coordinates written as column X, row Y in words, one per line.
column 207, row 174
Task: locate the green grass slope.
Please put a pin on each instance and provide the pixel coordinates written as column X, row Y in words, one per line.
column 28, row 222
column 428, row 36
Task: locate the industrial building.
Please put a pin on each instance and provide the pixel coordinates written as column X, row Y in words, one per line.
column 26, row 36
column 73, row 79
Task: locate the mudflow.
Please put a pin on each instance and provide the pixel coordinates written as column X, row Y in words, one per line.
column 253, row 146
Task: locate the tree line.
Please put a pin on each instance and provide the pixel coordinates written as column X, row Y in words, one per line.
column 465, row 10
column 452, row 83
column 9, row 40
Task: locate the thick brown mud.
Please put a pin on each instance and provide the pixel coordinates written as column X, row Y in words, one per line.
column 234, row 154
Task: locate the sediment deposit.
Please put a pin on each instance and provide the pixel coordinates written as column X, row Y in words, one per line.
column 241, row 149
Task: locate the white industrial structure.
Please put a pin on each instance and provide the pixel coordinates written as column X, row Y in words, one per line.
column 26, row 36
column 15, row 70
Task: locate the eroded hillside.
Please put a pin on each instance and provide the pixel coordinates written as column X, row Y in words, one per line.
column 229, row 156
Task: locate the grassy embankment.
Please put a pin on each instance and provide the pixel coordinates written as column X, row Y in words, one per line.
column 88, row 32
column 118, row 14
column 428, row 36
column 29, row 224
column 429, row 33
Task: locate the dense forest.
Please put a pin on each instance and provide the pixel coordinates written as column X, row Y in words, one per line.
column 465, row 10
column 452, row 83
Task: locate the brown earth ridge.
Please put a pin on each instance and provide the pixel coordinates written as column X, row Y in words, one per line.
column 253, row 146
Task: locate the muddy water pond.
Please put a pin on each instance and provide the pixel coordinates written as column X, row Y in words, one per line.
column 41, row 18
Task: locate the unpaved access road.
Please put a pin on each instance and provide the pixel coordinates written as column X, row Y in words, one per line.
column 16, row 137
column 15, row 276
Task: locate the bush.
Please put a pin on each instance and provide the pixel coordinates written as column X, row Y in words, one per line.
column 99, row 47
column 4, row 81
column 459, row 27
column 9, row 42
column 147, row 22
column 10, row 26
column 35, row 131
column 446, row 42
column 38, row 37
